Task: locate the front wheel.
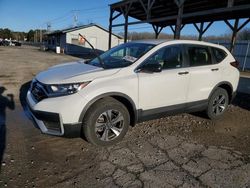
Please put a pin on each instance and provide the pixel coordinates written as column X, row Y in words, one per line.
column 217, row 104
column 106, row 122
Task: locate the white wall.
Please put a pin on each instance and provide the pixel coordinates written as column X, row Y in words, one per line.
column 94, row 33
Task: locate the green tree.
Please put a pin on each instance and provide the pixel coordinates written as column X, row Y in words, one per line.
column 5, row 33
column 30, row 35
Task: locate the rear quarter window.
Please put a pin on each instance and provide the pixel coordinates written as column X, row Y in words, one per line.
column 219, row 54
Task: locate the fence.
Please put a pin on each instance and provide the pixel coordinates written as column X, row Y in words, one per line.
column 37, row 44
column 241, row 52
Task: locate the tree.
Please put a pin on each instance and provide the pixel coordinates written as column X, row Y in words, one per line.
column 5, row 33
column 20, row 36
column 30, row 35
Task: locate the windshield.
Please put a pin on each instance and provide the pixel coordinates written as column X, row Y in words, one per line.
column 122, row 55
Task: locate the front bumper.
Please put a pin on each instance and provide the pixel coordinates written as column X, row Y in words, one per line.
column 51, row 122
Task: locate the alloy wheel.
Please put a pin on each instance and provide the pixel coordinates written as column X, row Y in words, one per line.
column 219, row 104
column 109, row 125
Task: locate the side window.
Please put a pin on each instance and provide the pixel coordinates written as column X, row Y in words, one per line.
column 169, row 57
column 199, row 55
column 219, row 54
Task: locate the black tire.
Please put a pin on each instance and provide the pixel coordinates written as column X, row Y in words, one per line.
column 100, row 126
column 217, row 104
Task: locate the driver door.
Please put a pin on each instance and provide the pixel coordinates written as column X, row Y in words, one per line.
column 167, row 88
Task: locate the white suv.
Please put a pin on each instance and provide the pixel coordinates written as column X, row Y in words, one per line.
column 130, row 83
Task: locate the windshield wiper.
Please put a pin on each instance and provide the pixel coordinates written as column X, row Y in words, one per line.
column 95, row 51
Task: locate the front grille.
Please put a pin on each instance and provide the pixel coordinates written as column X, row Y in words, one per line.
column 38, row 91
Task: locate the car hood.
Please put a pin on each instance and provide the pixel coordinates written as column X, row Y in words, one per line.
column 73, row 72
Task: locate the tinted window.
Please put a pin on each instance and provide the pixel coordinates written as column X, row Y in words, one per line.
column 199, row 55
column 169, row 57
column 219, row 54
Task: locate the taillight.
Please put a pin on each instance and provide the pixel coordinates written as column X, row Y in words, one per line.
column 235, row 64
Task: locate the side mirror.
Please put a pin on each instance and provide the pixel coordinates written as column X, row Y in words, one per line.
column 155, row 67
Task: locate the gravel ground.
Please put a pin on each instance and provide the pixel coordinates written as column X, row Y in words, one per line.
column 186, row 150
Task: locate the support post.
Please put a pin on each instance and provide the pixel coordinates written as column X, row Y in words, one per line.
column 157, row 30
column 125, row 14
column 180, row 5
column 126, row 29
column 110, row 26
column 236, row 28
column 201, row 31
column 236, row 23
column 172, row 28
column 156, row 35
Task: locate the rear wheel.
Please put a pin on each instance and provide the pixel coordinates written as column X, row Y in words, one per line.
column 106, row 122
column 217, row 104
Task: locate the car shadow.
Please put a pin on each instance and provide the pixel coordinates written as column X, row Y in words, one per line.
column 242, row 100
column 5, row 102
column 22, row 98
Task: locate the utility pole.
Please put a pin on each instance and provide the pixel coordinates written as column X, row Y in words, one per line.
column 75, row 17
column 35, row 36
column 75, row 20
column 48, row 26
column 41, row 36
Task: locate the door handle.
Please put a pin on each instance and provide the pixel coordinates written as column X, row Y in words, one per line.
column 216, row 69
column 182, row 73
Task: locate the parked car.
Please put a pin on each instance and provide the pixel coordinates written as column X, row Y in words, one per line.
column 4, row 43
column 131, row 83
column 16, row 43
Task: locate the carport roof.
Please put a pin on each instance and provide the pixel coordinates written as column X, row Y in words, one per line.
column 164, row 12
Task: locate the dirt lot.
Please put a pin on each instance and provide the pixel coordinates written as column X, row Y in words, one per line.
column 179, row 151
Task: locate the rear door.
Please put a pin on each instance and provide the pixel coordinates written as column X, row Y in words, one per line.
column 204, row 72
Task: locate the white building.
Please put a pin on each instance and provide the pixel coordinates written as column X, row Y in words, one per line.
column 70, row 42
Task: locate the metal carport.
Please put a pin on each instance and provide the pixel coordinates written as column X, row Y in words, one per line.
column 177, row 13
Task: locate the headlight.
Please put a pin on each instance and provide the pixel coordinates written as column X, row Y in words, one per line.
column 66, row 89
